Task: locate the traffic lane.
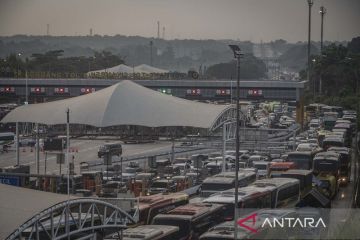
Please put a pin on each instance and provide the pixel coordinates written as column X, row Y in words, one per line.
column 143, row 161
column 27, row 154
column 82, row 150
column 342, row 206
column 89, row 154
column 129, row 150
column 343, row 200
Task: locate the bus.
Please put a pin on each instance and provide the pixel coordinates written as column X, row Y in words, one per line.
column 313, row 110
column 6, row 138
column 149, row 232
column 327, row 162
column 225, row 181
column 280, row 167
column 110, row 148
column 302, row 159
column 304, row 176
column 327, row 171
column 192, row 219
column 249, row 198
column 321, row 136
column 150, row 206
column 329, row 120
column 333, row 141
column 285, row 192
column 345, row 163
column 225, row 230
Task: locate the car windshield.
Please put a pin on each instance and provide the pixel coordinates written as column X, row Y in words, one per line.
column 260, row 166
column 159, row 185
column 325, row 184
column 325, row 166
column 216, row 186
column 130, row 170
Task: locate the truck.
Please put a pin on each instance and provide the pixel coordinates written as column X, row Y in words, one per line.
column 329, row 120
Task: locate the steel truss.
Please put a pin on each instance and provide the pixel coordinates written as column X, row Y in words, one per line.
column 227, row 115
column 73, row 217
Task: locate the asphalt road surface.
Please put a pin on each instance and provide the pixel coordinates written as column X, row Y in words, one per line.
column 82, row 150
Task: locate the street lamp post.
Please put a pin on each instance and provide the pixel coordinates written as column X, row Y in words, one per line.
column 68, row 150
column 310, row 3
column 237, row 55
column 26, row 83
column 322, row 13
column 18, row 65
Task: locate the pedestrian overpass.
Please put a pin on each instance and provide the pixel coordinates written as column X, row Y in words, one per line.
column 31, row 214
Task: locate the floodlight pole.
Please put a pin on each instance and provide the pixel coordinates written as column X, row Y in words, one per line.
column 237, row 56
column 68, row 149
column 26, row 88
column 310, row 3
column 322, row 13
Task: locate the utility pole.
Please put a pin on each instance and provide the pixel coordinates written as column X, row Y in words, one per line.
column 310, row 3
column 151, row 58
column 158, row 32
column 237, row 55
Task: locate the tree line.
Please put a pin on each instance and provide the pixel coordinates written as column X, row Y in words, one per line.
column 338, row 67
column 52, row 61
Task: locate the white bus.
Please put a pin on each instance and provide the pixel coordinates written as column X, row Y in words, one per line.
column 149, row 232
column 249, row 198
column 285, row 192
column 224, row 181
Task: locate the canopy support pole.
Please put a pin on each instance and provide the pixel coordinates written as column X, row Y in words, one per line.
column 37, row 150
column 224, row 148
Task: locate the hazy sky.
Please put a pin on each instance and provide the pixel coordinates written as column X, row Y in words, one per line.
column 198, row 19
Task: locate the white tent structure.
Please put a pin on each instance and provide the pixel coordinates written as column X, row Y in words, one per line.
column 122, row 68
column 143, row 68
column 125, row 103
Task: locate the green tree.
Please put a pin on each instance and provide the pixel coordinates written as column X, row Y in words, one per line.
column 251, row 68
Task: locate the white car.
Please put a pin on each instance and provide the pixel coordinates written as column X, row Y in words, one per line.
column 302, row 147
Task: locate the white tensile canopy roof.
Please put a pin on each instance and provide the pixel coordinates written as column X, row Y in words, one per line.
column 143, row 68
column 125, row 103
column 122, row 68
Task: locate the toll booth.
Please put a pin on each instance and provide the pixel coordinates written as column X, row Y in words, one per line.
column 137, row 187
column 182, row 182
column 92, row 180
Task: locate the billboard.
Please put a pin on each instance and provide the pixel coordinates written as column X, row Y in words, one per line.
column 10, row 180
